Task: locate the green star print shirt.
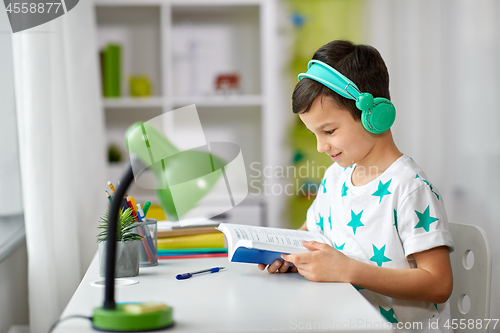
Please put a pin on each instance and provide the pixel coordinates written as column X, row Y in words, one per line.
column 383, row 223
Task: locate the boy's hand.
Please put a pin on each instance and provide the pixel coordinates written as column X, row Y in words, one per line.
column 322, row 264
column 278, row 267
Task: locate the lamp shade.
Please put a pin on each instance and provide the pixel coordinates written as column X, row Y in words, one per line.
column 182, row 177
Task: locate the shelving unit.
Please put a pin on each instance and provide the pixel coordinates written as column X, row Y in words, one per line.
column 181, row 46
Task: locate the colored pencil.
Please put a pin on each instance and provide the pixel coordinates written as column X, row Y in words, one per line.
column 124, row 204
column 145, row 244
column 111, row 187
column 109, row 197
column 129, row 203
column 149, row 239
column 134, row 205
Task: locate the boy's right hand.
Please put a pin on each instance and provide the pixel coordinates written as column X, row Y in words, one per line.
column 278, row 267
column 282, row 267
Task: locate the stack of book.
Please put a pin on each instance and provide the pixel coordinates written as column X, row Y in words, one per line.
column 192, row 241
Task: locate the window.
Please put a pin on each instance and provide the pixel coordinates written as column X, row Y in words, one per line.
column 11, row 209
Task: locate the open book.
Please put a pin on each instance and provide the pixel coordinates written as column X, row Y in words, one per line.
column 262, row 245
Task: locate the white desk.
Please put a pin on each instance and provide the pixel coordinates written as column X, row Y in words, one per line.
column 240, row 298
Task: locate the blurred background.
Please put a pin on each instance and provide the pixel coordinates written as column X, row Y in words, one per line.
column 71, row 87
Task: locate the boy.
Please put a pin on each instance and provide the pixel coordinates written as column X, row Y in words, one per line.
column 386, row 221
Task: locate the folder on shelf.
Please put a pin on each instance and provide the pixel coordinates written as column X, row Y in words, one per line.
column 112, row 70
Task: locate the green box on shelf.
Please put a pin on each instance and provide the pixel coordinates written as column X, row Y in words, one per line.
column 112, row 70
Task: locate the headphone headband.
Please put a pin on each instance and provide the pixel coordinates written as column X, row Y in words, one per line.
column 330, row 77
column 377, row 114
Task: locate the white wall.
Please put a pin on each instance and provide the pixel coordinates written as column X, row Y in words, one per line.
column 14, row 290
column 444, row 62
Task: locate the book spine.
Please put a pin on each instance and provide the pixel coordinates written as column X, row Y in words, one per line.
column 166, row 253
column 205, row 250
column 163, row 254
column 186, row 232
column 192, row 242
column 191, row 256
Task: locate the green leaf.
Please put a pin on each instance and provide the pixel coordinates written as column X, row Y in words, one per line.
column 126, row 224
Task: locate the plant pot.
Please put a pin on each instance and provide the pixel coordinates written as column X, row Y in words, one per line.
column 127, row 259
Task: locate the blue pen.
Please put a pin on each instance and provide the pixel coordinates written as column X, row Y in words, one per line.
column 188, row 275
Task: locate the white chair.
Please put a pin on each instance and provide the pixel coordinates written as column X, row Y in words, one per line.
column 471, row 264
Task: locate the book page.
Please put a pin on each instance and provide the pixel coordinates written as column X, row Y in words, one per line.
column 275, row 236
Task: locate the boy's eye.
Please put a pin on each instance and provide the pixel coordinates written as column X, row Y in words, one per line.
column 330, row 132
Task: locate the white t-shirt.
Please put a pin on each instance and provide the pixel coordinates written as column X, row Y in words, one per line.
column 383, row 223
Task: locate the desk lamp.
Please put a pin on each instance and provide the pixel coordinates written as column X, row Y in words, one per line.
column 191, row 169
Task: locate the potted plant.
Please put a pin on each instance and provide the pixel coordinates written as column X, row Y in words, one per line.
column 127, row 247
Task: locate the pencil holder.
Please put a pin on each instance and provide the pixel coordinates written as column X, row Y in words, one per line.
column 148, row 249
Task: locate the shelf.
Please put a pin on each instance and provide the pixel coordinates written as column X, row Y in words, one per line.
column 137, row 30
column 222, row 100
column 183, row 46
column 210, row 4
column 133, row 102
column 158, row 102
column 122, row 3
column 185, row 3
column 207, row 41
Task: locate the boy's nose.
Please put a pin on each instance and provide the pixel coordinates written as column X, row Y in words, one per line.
column 323, row 146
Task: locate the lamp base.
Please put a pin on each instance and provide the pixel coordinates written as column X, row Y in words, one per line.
column 120, row 320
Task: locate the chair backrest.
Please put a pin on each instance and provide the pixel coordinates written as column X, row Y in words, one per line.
column 471, row 264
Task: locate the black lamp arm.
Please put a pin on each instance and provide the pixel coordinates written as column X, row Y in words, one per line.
column 109, row 291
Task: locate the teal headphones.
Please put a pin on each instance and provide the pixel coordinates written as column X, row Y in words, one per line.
column 377, row 114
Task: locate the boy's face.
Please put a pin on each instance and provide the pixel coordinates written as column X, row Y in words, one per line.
column 340, row 136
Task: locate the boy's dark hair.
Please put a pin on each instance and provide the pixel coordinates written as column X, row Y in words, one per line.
column 362, row 64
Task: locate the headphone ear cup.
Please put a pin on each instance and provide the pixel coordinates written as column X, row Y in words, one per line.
column 380, row 118
column 364, row 101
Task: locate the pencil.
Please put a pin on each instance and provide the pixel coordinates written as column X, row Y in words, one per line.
column 111, row 187
column 145, row 244
column 109, row 197
column 124, row 204
column 134, row 205
column 131, row 208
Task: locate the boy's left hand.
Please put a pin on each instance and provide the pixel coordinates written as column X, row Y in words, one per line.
column 322, row 264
